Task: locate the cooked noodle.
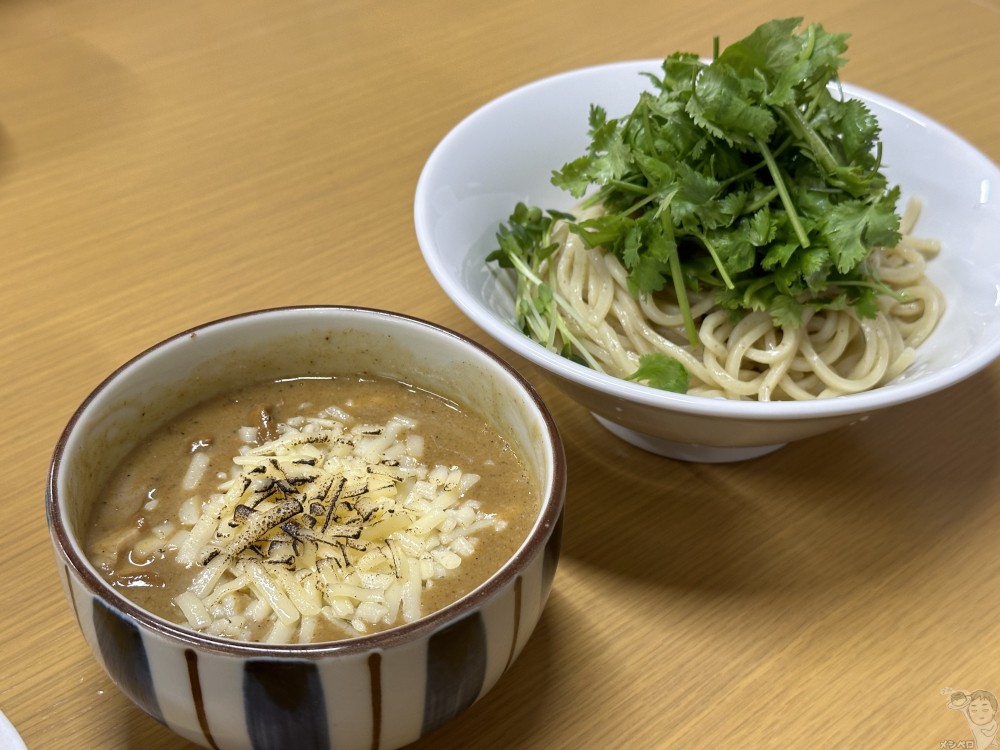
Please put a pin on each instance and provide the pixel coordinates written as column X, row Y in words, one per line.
column 833, row 352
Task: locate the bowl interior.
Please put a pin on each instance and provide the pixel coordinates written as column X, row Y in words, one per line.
column 291, row 342
column 506, row 151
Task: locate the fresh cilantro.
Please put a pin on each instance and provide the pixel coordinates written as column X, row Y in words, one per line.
column 748, row 175
column 661, row 371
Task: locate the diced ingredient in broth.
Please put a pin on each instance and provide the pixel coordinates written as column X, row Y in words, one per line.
column 319, row 524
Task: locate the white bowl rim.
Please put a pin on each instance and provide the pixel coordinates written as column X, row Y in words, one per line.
column 857, row 403
column 546, row 523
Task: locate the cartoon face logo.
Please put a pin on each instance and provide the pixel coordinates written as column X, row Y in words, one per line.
column 980, row 710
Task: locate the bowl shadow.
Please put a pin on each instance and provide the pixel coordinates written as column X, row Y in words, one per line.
column 786, row 521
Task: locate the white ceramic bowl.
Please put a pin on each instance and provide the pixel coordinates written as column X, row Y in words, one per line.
column 9, row 738
column 381, row 691
column 506, row 151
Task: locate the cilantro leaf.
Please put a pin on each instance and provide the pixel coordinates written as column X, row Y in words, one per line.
column 661, row 371
column 852, row 227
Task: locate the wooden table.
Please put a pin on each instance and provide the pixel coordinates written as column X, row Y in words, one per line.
column 167, row 163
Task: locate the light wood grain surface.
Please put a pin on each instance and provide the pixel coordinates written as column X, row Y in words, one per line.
column 167, row 163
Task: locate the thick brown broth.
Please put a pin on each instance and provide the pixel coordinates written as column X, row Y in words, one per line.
column 453, row 437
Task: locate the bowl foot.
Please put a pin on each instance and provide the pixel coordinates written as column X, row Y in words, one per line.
column 686, row 451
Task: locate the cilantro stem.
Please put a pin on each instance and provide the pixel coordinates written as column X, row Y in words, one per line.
column 648, row 130
column 810, row 44
column 682, row 299
column 607, row 189
column 786, row 199
column 544, row 325
column 718, row 261
column 753, row 287
column 753, row 169
column 574, row 342
column 797, row 122
column 629, row 187
column 769, row 196
column 680, row 290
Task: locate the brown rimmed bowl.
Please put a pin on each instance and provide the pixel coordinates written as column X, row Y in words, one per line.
column 374, row 692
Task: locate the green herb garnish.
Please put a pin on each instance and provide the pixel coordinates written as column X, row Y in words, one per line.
column 748, row 175
column 660, row 371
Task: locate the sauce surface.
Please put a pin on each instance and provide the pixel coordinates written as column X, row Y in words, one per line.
column 146, row 492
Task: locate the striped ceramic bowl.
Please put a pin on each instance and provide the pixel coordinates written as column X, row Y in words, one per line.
column 375, row 692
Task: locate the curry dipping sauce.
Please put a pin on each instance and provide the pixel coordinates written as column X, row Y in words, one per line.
column 310, row 510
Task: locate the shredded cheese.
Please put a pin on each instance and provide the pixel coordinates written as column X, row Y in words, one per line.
column 326, row 522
